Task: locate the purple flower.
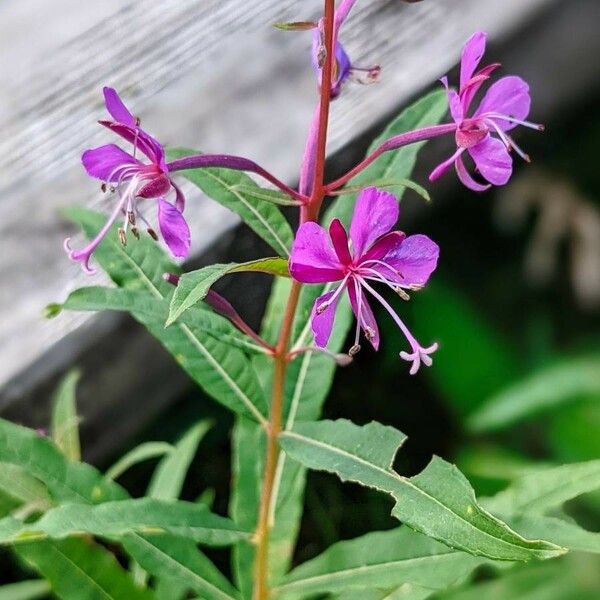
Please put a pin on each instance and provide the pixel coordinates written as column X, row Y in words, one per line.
column 376, row 255
column 134, row 180
column 505, row 105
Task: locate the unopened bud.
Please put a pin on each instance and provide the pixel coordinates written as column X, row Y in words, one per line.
column 122, row 236
column 152, row 234
column 296, row 26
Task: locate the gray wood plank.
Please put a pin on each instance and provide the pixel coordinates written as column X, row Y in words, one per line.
column 209, row 74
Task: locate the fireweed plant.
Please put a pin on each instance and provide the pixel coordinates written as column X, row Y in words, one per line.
column 328, row 274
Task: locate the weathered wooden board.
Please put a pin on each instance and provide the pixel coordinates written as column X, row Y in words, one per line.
column 210, row 74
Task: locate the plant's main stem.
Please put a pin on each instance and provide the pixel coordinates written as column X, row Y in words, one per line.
column 310, row 212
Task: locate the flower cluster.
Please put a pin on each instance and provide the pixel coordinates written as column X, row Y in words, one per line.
column 354, row 262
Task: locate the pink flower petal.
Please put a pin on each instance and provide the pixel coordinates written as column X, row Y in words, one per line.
column 339, row 238
column 375, row 213
column 312, row 258
column 472, row 54
column 508, row 96
column 104, row 162
column 383, row 245
column 456, row 108
column 492, row 160
column 466, row 179
column 118, row 111
column 323, row 317
column 144, row 141
column 444, row 166
column 173, row 228
column 414, row 258
column 364, row 314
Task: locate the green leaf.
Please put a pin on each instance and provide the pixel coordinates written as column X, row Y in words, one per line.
column 78, row 568
column 387, row 183
column 40, row 458
column 167, row 480
column 114, row 520
column 379, row 560
column 438, row 502
column 65, row 423
column 141, row 453
column 25, row 590
column 194, row 286
column 558, row 531
column 17, row 483
column 179, row 560
column 563, row 382
column 548, row 488
column 222, row 185
column 223, row 371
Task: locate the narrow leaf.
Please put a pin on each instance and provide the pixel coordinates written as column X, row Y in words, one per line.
column 379, row 560
column 438, row 502
column 384, row 184
column 169, row 476
column 222, row 185
column 260, row 193
column 550, row 387
column 141, row 453
column 22, row 486
column 179, row 560
column 77, row 568
column 40, row 458
column 114, row 520
column 194, row 286
column 65, row 423
column 548, row 488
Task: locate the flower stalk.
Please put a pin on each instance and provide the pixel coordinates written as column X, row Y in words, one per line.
column 309, row 212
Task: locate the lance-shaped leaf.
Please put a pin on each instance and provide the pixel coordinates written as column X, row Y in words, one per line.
column 178, row 560
column 18, row 483
column 224, row 372
column 438, row 502
column 141, row 453
column 194, row 286
column 382, row 560
column 261, row 193
column 548, row 488
column 222, row 185
column 65, row 424
column 552, row 386
column 386, row 184
column 40, row 458
column 77, row 568
column 114, row 520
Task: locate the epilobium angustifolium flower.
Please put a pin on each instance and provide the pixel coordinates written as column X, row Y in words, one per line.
column 375, row 254
column 134, row 180
column 505, row 105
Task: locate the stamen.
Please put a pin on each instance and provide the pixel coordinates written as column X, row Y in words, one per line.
column 135, row 232
column 131, row 217
column 122, row 236
column 354, row 350
column 510, row 119
column 325, row 305
column 383, row 264
column 402, row 294
column 103, row 188
column 509, row 142
column 152, row 234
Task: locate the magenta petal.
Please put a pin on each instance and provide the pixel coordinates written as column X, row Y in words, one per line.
column 323, row 317
column 364, row 314
column 173, row 228
column 508, row 96
column 472, row 54
column 375, row 213
column 466, row 179
column 493, row 160
column 144, row 141
column 312, row 259
column 339, row 239
column 107, row 162
column 456, row 108
column 117, row 110
column 414, row 258
column 383, row 245
column 444, row 166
